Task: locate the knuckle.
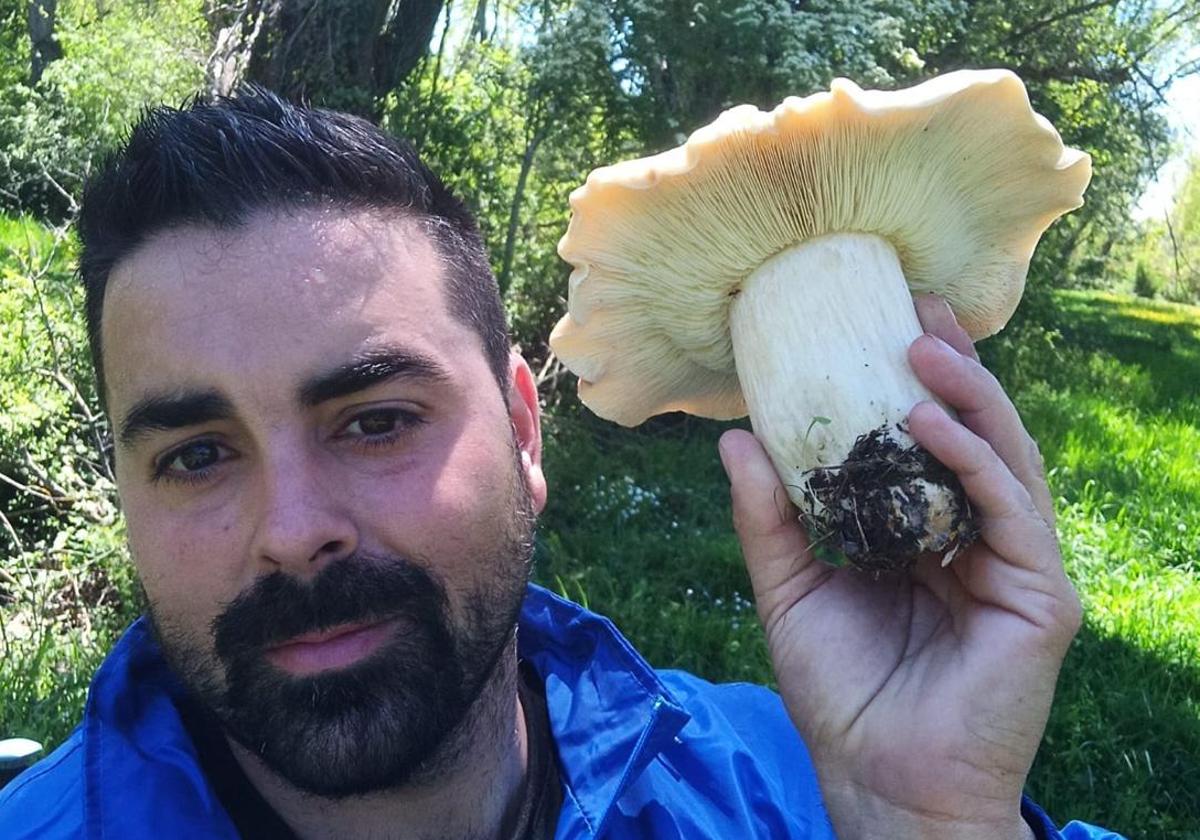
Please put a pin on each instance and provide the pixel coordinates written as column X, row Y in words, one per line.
column 740, row 518
column 1033, row 452
column 1072, row 610
column 1028, row 505
column 989, row 379
column 983, row 458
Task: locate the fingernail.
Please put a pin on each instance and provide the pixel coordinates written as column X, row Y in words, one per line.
column 723, row 451
column 732, row 453
column 933, row 406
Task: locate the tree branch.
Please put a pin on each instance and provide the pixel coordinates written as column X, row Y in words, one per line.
column 93, row 421
column 16, row 540
column 1037, row 26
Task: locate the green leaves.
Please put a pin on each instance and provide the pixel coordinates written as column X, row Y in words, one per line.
column 52, row 438
column 114, row 64
column 64, row 593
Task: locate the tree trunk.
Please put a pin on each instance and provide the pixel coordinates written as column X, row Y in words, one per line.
column 44, row 47
column 479, row 27
column 418, row 140
column 404, row 41
column 234, row 30
column 343, row 54
column 514, row 212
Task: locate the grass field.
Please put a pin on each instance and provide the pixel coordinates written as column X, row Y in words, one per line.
column 638, row 527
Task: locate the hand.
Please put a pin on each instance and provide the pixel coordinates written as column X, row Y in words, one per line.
column 922, row 697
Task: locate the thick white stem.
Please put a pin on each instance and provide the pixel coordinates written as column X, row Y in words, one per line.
column 820, row 336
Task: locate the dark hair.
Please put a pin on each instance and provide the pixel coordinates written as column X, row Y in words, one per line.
column 215, row 162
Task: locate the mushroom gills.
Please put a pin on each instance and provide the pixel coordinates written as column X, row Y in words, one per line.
column 820, row 338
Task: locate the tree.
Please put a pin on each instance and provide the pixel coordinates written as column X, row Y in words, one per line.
column 44, row 46
column 343, row 54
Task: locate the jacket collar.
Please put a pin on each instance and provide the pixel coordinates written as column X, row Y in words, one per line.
column 610, row 715
column 140, row 766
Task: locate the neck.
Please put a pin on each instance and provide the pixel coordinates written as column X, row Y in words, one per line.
column 474, row 793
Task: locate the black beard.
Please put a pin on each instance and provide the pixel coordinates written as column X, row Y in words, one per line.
column 379, row 723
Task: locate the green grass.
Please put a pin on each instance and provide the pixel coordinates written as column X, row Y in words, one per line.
column 638, row 526
column 1117, row 412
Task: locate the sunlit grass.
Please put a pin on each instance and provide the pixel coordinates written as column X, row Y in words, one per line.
column 1117, row 412
column 1157, row 311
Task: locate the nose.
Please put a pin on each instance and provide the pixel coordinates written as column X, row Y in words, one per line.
column 301, row 525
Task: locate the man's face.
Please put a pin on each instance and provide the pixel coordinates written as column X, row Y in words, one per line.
column 329, row 500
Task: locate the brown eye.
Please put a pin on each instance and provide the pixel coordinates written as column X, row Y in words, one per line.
column 376, row 422
column 195, row 456
column 191, row 462
column 380, row 424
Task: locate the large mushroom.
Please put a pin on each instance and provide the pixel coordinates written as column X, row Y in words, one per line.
column 767, row 267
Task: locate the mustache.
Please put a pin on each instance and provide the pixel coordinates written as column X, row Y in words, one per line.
column 356, row 589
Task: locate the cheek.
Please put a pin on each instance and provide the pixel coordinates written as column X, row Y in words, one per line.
column 446, row 510
column 188, row 568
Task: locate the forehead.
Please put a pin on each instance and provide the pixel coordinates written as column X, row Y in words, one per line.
column 288, row 291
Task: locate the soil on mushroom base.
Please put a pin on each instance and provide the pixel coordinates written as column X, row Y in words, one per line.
column 877, row 507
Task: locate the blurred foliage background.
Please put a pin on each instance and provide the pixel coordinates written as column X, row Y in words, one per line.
column 513, row 103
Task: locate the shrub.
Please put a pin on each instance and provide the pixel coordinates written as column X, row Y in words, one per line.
column 1144, row 284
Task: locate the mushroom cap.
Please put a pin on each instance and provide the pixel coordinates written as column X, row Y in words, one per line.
column 957, row 173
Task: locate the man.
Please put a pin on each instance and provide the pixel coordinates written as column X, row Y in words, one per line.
column 330, row 465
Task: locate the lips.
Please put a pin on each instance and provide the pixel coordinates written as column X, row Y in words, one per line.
column 335, row 647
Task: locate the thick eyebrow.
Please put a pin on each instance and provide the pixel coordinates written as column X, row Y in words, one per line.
column 175, row 410
column 370, row 368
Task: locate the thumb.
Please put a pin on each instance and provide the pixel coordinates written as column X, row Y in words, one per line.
column 775, row 546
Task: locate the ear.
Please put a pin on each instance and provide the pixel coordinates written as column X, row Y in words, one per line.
column 526, row 416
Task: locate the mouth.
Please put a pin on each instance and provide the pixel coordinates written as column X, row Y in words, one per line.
column 332, row 648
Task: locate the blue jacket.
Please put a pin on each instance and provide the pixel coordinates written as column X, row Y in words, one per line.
column 643, row 754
